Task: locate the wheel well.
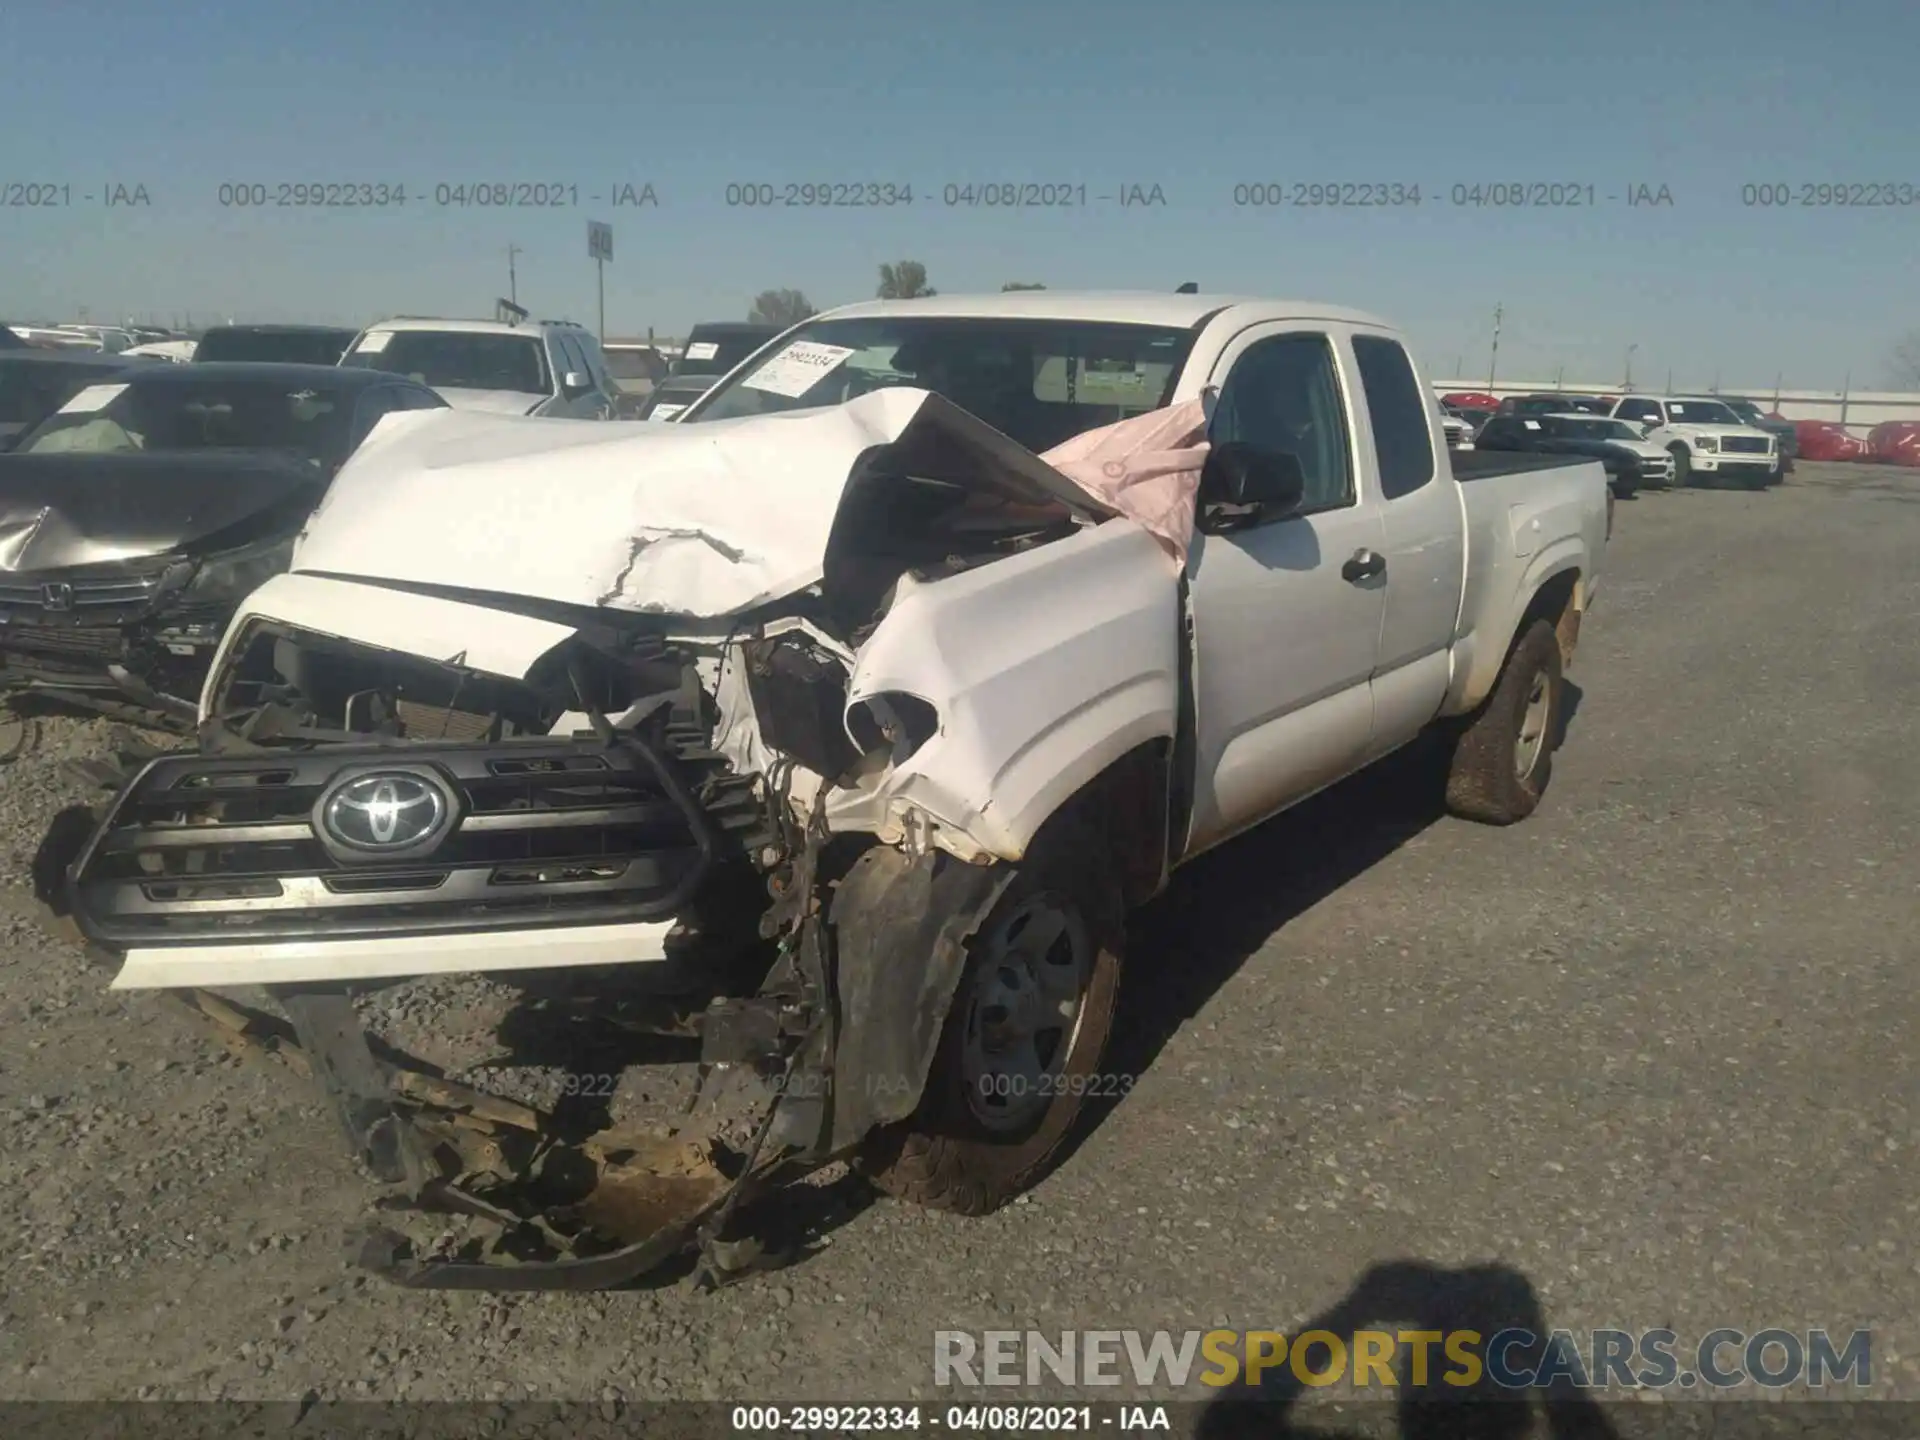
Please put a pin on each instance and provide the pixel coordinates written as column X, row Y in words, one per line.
column 1125, row 805
column 1554, row 603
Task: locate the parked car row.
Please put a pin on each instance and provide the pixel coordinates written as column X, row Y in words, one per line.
column 1659, row 440
column 153, row 495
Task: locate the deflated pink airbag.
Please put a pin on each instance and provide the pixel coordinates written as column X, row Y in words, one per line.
column 1147, row 468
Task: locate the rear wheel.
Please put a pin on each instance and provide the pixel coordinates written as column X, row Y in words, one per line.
column 1021, row 1048
column 1503, row 759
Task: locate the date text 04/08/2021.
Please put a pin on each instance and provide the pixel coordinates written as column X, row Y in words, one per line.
column 463, row 195
column 1479, row 195
column 959, row 1419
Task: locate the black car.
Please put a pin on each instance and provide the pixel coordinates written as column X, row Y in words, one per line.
column 714, row 349
column 1553, row 405
column 1629, row 461
column 275, row 344
column 150, row 505
column 1785, row 432
column 35, row 382
column 673, row 395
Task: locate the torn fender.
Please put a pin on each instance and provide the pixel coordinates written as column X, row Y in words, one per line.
column 701, row 520
column 1044, row 668
column 900, row 928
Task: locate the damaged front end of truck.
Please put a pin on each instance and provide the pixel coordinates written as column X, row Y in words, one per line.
column 727, row 768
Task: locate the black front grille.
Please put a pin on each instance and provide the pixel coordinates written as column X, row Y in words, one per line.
column 1745, row 445
column 547, row 832
column 103, row 644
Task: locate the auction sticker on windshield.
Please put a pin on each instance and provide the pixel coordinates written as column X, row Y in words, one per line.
column 704, row 350
column 798, row 368
column 94, row 397
column 373, row 344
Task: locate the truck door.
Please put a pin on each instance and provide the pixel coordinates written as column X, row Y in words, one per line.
column 1286, row 614
column 1425, row 545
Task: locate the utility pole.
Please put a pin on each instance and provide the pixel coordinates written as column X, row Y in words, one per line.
column 513, row 283
column 1493, row 362
column 1627, row 384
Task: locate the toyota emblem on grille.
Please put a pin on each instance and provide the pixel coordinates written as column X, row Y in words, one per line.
column 386, row 812
column 57, row 596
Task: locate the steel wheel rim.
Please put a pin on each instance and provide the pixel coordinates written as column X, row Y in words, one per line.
column 1023, row 1011
column 1533, row 726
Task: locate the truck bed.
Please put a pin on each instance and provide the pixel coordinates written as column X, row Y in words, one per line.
column 1470, row 465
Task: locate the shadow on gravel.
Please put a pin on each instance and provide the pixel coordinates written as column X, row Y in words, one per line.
column 1414, row 1295
column 1225, row 905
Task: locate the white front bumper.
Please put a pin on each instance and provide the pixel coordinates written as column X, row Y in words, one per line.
column 293, row 962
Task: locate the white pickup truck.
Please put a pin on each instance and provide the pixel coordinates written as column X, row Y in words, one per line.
column 540, row 695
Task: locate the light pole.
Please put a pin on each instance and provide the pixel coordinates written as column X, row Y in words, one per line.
column 513, row 283
column 1627, row 384
column 1493, row 362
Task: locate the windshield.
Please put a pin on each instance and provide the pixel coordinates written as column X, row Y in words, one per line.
column 1039, row 382
column 1701, row 412
column 120, row 418
column 285, row 347
column 714, row 353
column 1595, row 429
column 1746, row 410
column 458, row 359
column 31, row 390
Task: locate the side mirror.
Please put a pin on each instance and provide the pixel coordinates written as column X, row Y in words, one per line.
column 1242, row 485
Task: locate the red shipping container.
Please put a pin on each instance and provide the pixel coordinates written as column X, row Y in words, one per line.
column 1896, row 442
column 1824, row 440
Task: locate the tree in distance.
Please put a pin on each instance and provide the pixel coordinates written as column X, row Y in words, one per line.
column 1021, row 285
column 904, row 280
column 780, row 307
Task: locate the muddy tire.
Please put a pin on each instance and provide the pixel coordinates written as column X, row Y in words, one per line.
column 1503, row 757
column 989, row 1127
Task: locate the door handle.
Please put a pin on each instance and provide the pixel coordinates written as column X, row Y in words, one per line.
column 1364, row 565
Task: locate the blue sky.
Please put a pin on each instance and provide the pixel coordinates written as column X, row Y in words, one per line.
column 1700, row 96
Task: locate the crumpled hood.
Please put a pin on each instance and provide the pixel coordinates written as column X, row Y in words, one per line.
column 73, row 509
column 491, row 402
column 700, row 520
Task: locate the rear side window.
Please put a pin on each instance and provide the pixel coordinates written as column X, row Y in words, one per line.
column 1402, row 441
column 1638, row 410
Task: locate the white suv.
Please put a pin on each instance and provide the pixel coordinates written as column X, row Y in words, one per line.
column 1703, row 436
column 541, row 367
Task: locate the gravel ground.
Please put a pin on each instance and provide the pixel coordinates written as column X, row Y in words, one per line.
column 1643, row 1061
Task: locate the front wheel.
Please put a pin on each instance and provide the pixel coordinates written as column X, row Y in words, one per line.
column 1021, row 1049
column 1682, row 466
column 1503, row 759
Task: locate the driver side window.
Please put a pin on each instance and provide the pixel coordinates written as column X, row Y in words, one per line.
column 572, row 362
column 1284, row 394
